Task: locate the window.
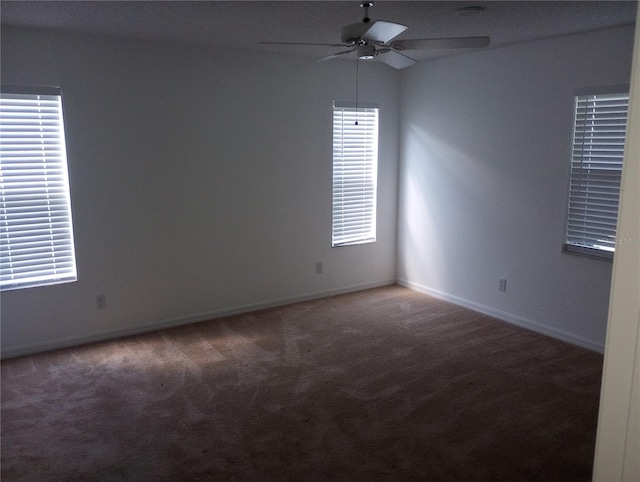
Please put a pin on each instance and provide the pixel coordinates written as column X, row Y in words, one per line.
column 355, row 171
column 36, row 235
column 596, row 171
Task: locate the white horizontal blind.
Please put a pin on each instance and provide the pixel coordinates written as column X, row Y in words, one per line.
column 596, row 172
column 355, row 171
column 36, row 235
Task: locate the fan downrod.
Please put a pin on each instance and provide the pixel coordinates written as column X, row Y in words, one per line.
column 366, row 6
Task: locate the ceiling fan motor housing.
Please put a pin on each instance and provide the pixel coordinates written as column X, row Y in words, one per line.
column 377, row 32
column 352, row 34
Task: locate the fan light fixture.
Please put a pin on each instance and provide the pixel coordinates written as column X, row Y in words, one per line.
column 366, row 52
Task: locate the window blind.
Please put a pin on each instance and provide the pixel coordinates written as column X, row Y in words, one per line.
column 596, row 172
column 36, row 235
column 355, row 170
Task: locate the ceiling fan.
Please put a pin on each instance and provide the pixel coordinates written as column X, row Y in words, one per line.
column 373, row 40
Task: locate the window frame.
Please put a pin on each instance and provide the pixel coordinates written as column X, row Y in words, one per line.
column 37, row 244
column 588, row 247
column 365, row 232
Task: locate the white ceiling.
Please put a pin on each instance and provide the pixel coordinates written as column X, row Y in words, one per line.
column 243, row 24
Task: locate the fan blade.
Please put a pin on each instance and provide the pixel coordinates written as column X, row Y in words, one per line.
column 383, row 32
column 302, row 43
column 395, row 59
column 442, row 43
column 337, row 54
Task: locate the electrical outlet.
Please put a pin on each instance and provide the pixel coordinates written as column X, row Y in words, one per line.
column 101, row 302
column 502, row 284
column 319, row 267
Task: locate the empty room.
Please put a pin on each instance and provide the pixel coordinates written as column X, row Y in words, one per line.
column 309, row 240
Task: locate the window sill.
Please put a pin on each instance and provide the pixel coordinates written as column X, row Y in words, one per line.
column 588, row 252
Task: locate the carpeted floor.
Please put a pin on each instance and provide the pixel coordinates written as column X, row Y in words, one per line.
column 384, row 384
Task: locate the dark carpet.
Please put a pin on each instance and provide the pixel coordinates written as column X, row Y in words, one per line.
column 384, row 384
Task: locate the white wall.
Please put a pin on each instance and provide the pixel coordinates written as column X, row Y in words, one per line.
column 484, row 175
column 200, row 183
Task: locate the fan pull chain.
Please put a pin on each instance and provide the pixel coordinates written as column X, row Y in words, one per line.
column 357, row 64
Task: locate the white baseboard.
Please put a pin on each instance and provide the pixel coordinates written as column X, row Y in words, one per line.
column 508, row 317
column 169, row 323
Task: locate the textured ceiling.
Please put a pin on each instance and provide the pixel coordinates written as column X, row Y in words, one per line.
column 243, row 24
